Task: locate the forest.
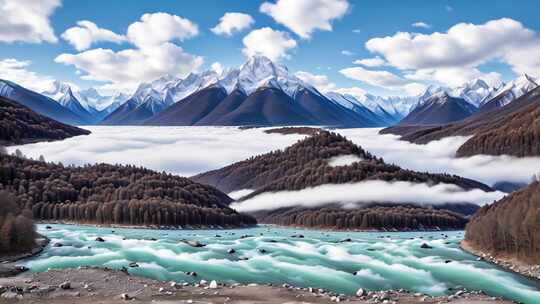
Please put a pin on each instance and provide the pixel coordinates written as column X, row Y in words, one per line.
column 399, row 217
column 114, row 194
column 19, row 125
column 510, row 226
column 16, row 226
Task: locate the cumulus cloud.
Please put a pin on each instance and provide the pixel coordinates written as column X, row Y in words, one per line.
column 371, row 62
column 268, row 42
column 414, row 88
column 27, row 20
column 217, row 67
column 17, row 71
column 463, row 45
column 231, row 23
column 305, row 16
column 157, row 28
column 348, row 195
column 356, row 92
column 155, row 54
column 382, row 79
column 87, row 33
column 455, row 76
column 321, row 82
column 127, row 68
column 421, row 24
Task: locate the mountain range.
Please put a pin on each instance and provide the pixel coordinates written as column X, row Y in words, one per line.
column 261, row 93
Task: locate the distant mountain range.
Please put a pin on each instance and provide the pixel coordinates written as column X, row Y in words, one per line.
column 261, row 93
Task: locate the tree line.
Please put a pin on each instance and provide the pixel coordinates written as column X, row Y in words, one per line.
column 114, row 194
column 16, row 226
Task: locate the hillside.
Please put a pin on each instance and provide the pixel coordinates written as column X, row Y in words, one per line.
column 306, row 164
column 20, row 125
column 510, row 227
column 511, row 129
column 107, row 194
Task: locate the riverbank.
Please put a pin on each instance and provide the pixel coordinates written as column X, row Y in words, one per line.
column 8, row 263
column 92, row 285
column 508, row 263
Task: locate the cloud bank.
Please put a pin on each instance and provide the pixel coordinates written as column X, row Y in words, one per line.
column 366, row 192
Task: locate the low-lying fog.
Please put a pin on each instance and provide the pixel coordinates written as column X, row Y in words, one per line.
column 191, row 150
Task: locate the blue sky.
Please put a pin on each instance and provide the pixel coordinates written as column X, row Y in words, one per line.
column 319, row 54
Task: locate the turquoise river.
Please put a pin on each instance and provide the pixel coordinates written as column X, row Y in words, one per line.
column 267, row 254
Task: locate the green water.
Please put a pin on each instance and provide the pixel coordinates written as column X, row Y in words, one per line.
column 381, row 260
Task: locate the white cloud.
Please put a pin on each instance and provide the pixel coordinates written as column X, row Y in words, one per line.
column 421, row 24
column 414, row 89
column 357, row 31
column 454, row 76
column 321, row 82
column 217, row 67
column 191, row 150
column 371, row 62
column 305, row 16
column 344, row 160
column 27, row 20
column 16, row 71
column 268, row 42
column 463, row 45
column 157, row 28
column 154, row 56
column 356, row 92
column 127, row 68
column 231, row 23
column 367, row 192
column 347, row 53
column 382, row 79
column 87, row 32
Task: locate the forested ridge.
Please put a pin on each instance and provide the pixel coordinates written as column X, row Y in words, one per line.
column 306, row 164
column 19, row 125
column 114, row 194
column 397, row 217
column 509, row 227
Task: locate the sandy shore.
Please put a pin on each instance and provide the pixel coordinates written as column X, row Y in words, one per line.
column 510, row 264
column 91, row 285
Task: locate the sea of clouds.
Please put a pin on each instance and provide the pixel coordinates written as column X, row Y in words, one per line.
column 190, row 150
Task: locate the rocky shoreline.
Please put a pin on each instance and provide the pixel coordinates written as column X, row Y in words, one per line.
column 93, row 285
column 8, row 263
column 507, row 263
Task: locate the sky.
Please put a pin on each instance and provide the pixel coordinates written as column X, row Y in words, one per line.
column 383, row 47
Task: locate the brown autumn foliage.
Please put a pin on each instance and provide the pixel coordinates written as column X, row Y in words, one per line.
column 16, row 228
column 305, row 164
column 19, row 124
column 400, row 217
column 114, row 194
column 510, row 226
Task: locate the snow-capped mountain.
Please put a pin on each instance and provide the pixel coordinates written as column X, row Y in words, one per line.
column 475, row 92
column 439, row 108
column 39, row 103
column 509, row 92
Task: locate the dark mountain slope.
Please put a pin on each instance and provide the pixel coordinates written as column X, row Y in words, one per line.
column 191, row 109
column 512, row 129
column 439, row 109
column 327, row 113
column 38, row 103
column 267, row 106
column 509, row 228
column 227, row 105
column 306, row 164
column 20, row 125
column 107, row 194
